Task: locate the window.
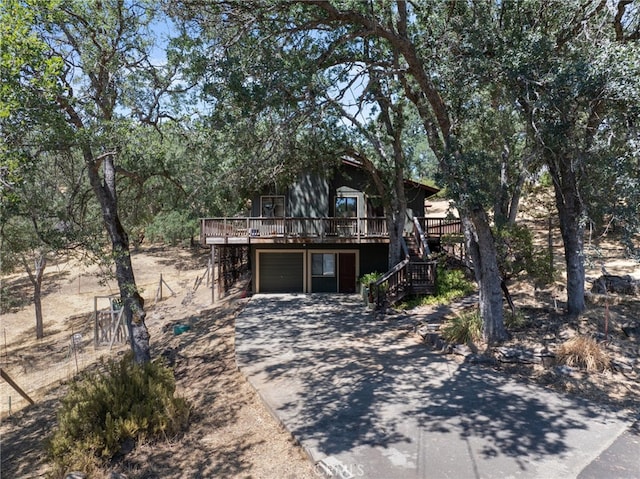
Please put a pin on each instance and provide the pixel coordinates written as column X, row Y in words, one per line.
column 346, row 206
column 323, row 264
column 272, row 206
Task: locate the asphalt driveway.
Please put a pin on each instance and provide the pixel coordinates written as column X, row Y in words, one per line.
column 365, row 399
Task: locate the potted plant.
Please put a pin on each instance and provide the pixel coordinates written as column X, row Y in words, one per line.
column 365, row 281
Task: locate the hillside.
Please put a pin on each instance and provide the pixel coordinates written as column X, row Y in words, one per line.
column 231, row 433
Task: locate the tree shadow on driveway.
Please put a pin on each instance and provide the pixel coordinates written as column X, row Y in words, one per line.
column 341, row 380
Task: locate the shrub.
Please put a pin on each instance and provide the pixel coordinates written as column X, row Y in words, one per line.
column 463, row 328
column 104, row 410
column 367, row 279
column 583, row 352
column 453, row 281
column 540, row 268
column 10, row 301
column 517, row 254
column 172, row 227
column 514, row 321
column 451, row 284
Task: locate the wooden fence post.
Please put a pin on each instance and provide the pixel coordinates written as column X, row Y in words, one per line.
column 12, row 383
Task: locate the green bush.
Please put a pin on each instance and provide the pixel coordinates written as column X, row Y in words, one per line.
column 172, row 228
column 453, row 281
column 103, row 410
column 451, row 284
column 463, row 328
column 517, row 254
column 514, row 321
column 367, row 279
column 10, row 301
column 540, row 268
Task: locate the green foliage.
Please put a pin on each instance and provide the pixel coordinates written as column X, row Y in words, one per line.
column 369, row 278
column 463, row 328
column 540, row 268
column 451, row 284
column 515, row 321
column 517, row 254
column 514, row 244
column 102, row 410
column 10, row 301
column 172, row 227
column 545, row 180
column 28, row 85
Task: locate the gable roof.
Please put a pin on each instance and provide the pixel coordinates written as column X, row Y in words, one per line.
column 429, row 190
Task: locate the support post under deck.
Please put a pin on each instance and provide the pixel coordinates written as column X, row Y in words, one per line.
column 213, row 274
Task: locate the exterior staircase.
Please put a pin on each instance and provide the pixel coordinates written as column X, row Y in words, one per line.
column 422, row 279
column 414, row 275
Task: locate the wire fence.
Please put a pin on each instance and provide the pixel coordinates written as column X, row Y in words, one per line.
column 30, row 371
column 31, row 368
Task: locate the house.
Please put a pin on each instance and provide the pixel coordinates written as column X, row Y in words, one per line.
column 322, row 233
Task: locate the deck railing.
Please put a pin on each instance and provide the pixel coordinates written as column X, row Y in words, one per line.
column 439, row 227
column 370, row 227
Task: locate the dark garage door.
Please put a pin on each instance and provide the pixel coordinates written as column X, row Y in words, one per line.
column 281, row 272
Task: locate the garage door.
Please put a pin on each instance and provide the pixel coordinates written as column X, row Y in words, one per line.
column 281, row 272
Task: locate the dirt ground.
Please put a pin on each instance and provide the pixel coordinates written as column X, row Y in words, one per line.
column 231, row 434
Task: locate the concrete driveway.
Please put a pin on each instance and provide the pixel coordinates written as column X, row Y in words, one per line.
column 365, row 399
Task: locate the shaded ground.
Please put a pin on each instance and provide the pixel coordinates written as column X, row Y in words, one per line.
column 231, row 434
column 363, row 394
column 544, row 328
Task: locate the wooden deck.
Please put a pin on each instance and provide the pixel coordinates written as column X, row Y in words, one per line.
column 322, row 230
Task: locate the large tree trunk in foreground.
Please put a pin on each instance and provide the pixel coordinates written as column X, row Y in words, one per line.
column 481, row 247
column 571, row 212
column 573, row 239
column 133, row 303
column 395, row 224
column 396, row 220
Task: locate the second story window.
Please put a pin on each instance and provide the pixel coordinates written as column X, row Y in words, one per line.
column 272, row 206
column 346, row 206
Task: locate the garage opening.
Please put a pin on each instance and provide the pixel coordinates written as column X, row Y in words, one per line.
column 281, row 272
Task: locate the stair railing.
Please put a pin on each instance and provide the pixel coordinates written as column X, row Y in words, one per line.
column 405, row 248
column 391, row 286
column 421, row 239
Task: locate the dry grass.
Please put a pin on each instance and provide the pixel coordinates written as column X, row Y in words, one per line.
column 231, row 434
column 583, row 352
column 463, row 328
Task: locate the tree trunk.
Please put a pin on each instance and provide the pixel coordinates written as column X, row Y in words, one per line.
column 515, row 198
column 573, row 240
column 501, row 203
column 571, row 212
column 505, row 208
column 397, row 218
column 395, row 224
column 481, row 247
column 133, row 303
column 35, row 277
column 40, row 265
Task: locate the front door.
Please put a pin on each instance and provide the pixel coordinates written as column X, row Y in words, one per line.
column 346, row 272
